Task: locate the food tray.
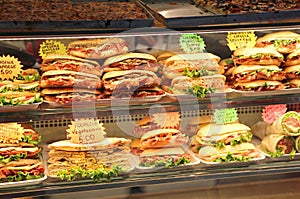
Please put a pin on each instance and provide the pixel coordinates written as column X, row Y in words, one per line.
column 22, row 183
column 75, row 22
column 19, row 108
column 180, row 13
column 285, row 157
column 265, row 93
column 195, row 161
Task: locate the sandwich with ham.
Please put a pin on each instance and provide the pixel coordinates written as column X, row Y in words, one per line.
column 71, row 95
column 283, row 41
column 131, row 61
column 238, row 153
column 259, row 85
column 248, row 73
column 68, row 62
column 257, row 56
column 164, row 157
column 141, row 92
column 67, row 78
column 129, row 80
column 97, row 48
column 145, row 125
column 29, row 75
column 158, row 138
column 293, row 83
column 8, row 154
column 219, row 135
column 202, row 63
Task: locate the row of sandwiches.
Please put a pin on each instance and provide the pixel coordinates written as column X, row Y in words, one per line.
column 273, row 64
column 20, row 156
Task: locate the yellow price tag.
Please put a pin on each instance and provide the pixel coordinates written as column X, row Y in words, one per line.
column 10, row 67
column 11, row 132
column 245, row 39
column 52, row 47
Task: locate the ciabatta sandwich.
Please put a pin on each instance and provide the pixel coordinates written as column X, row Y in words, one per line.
column 131, row 61
column 98, row 48
column 257, row 56
column 283, row 41
column 158, row 138
column 293, row 58
column 292, row 72
column 259, row 85
column 67, row 62
column 67, row 78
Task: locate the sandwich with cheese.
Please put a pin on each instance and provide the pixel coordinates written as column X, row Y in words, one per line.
column 219, row 136
column 238, row 153
column 292, row 72
column 164, row 157
column 67, row 78
column 202, row 63
column 257, row 56
column 283, row 41
column 131, row 61
column 158, row 138
column 248, row 73
column 293, row 58
column 293, row 83
column 27, row 76
column 97, row 48
column 144, row 125
column 68, row 62
column 19, row 98
column 129, row 80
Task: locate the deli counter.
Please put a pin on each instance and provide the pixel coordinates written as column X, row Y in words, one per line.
column 148, row 100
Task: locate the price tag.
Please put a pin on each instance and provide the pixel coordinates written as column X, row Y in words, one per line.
column 11, row 132
column 52, row 47
column 272, row 112
column 86, row 131
column 224, row 116
column 245, row 39
column 192, row 43
column 167, row 120
column 10, row 67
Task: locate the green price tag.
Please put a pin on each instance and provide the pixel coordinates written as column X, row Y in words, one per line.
column 192, row 43
column 223, row 116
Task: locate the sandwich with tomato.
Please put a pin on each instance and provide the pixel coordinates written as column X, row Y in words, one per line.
column 283, row 41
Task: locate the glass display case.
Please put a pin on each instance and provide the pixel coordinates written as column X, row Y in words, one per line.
column 127, row 83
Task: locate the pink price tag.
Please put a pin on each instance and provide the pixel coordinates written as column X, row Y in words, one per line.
column 272, row 112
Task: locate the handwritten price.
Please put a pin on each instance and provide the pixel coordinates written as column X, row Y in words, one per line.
column 5, row 72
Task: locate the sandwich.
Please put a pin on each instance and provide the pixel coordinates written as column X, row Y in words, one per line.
column 22, row 169
column 219, row 135
column 144, row 125
column 97, row 48
column 70, row 95
column 242, row 152
column 19, row 98
column 286, row 124
column 158, row 138
column 182, row 84
column 27, row 76
column 195, row 146
column 284, row 41
column 257, row 56
column 67, row 62
column 293, row 58
column 292, row 72
column 138, row 93
column 259, row 85
column 248, row 73
column 7, row 85
column 67, row 78
column 110, row 142
column 129, row 80
column 297, row 143
column 293, row 83
column 202, row 63
column 277, row 144
column 131, row 61
column 24, row 138
column 8, row 154
column 164, row 157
